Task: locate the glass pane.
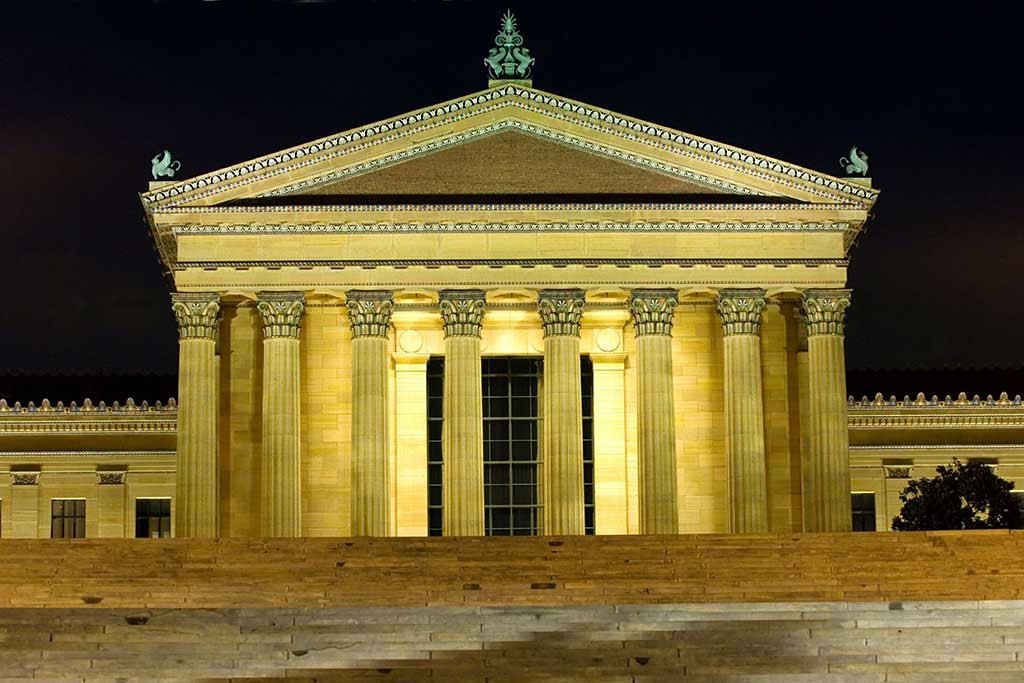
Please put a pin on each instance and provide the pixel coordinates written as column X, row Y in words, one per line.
column 57, row 508
column 56, row 528
column 79, row 527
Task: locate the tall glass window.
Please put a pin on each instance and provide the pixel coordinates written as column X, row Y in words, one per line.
column 67, row 518
column 435, row 419
column 152, row 518
column 863, row 505
column 511, row 425
column 587, row 388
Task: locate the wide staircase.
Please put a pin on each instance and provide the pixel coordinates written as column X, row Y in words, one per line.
column 945, row 606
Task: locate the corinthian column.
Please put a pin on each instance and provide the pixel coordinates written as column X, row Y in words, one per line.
column 370, row 316
column 653, row 310
column 825, row 313
column 560, row 312
column 280, row 480
column 196, row 479
column 463, row 432
column 740, row 310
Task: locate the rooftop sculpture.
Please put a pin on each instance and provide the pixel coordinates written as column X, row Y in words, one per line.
column 857, row 163
column 509, row 60
column 164, row 165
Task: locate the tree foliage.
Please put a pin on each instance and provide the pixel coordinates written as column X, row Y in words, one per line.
column 960, row 496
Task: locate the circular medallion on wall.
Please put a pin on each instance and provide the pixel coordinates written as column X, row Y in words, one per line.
column 607, row 340
column 410, row 341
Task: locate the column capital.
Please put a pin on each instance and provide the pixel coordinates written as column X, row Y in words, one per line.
column 653, row 310
column 560, row 311
column 462, row 311
column 740, row 310
column 825, row 311
column 197, row 313
column 282, row 313
column 369, row 312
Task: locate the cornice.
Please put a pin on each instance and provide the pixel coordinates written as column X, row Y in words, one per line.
column 579, row 115
column 525, row 262
column 936, row 421
column 88, row 419
column 560, row 207
column 162, row 452
column 525, row 227
column 938, row 447
column 46, row 409
column 920, row 402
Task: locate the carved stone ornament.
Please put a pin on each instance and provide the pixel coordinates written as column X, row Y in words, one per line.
column 281, row 313
column 653, row 311
column 740, row 310
column 825, row 311
column 369, row 312
column 110, row 478
column 898, row 471
column 462, row 312
column 25, row 478
column 198, row 314
column 560, row 311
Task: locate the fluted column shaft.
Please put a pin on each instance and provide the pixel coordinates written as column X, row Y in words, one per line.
column 463, row 434
column 652, row 312
column 825, row 313
column 561, row 312
column 196, row 509
column 740, row 310
column 370, row 316
column 280, row 478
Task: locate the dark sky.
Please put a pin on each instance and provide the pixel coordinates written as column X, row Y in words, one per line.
column 89, row 93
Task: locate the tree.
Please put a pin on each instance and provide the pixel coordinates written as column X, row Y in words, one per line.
column 960, row 496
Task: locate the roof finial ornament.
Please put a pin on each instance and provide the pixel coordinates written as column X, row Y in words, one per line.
column 856, row 163
column 164, row 166
column 509, row 61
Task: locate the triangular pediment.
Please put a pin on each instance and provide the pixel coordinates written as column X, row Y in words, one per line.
column 508, row 163
column 510, row 141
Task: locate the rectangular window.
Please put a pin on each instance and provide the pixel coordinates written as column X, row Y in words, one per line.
column 587, row 389
column 435, row 419
column 67, row 518
column 511, row 424
column 152, row 518
column 863, row 505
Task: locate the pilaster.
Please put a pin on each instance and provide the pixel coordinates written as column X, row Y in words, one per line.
column 370, row 318
column 561, row 311
column 462, row 313
column 280, row 463
column 829, row 459
column 653, row 311
column 196, row 480
column 110, row 499
column 740, row 311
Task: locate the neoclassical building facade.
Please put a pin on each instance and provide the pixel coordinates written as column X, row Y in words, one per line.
column 508, row 313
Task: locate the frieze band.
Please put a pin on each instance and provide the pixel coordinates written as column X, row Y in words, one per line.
column 561, row 311
column 369, row 312
column 825, row 311
column 198, row 314
column 740, row 310
column 462, row 312
column 281, row 313
column 653, row 311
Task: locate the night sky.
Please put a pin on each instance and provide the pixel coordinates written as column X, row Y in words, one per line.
column 89, row 94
